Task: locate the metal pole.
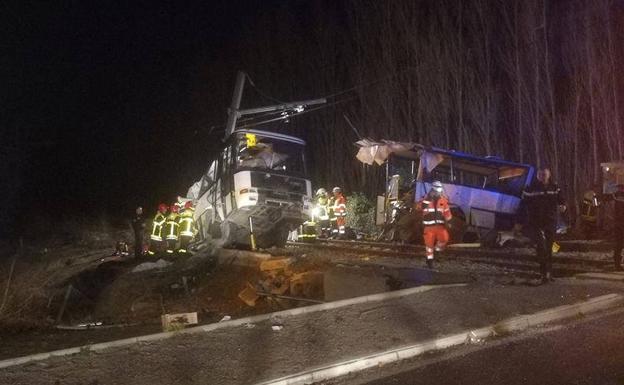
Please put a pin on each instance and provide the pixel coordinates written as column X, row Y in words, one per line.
column 252, row 237
column 234, row 107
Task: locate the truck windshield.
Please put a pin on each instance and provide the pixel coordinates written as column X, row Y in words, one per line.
column 257, row 152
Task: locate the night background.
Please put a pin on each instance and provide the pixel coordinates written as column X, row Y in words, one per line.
column 121, row 104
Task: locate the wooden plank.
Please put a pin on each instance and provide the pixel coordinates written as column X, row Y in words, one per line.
column 178, row 321
column 275, row 264
column 249, row 295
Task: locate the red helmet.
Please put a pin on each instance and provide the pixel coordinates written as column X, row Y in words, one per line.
column 162, row 208
column 174, row 208
column 188, row 205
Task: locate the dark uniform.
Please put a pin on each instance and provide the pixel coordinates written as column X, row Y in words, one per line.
column 541, row 204
column 618, row 225
column 138, row 225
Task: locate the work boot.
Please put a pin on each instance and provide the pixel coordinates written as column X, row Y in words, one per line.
column 430, row 263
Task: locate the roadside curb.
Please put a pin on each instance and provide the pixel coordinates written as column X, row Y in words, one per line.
column 611, row 276
column 222, row 325
column 394, row 355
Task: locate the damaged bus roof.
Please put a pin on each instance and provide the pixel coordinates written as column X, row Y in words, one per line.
column 378, row 152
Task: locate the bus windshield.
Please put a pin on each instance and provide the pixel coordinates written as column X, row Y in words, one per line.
column 257, row 152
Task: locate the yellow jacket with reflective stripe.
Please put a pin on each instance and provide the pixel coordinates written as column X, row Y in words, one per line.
column 187, row 223
column 157, row 225
column 171, row 226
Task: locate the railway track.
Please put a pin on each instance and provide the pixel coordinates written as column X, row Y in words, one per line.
column 512, row 260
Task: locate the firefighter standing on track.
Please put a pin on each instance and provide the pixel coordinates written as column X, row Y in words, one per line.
column 332, row 217
column 187, row 227
column 158, row 223
column 542, row 200
column 618, row 224
column 322, row 206
column 436, row 214
column 339, row 213
column 172, row 227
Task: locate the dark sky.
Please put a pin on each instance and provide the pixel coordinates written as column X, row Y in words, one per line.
column 113, row 102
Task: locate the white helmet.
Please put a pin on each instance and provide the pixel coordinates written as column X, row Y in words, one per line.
column 321, row 191
column 336, row 189
column 437, row 186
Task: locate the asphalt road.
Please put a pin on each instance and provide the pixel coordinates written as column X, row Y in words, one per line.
column 589, row 351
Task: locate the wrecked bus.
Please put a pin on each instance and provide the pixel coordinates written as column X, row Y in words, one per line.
column 485, row 192
column 258, row 183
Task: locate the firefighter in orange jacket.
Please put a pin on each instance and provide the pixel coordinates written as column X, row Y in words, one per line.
column 436, row 215
column 339, row 213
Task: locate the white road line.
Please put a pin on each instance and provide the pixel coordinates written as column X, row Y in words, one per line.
column 512, row 324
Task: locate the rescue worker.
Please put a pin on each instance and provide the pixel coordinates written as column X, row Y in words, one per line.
column 332, row 218
column 436, row 214
column 121, row 249
column 542, row 200
column 322, row 206
column 171, row 229
column 187, row 226
column 138, row 225
column 618, row 225
column 590, row 207
column 156, row 240
column 340, row 213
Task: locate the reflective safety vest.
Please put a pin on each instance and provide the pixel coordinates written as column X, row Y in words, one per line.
column 171, row 227
column 340, row 206
column 435, row 211
column 187, row 224
column 589, row 208
column 157, row 225
column 330, row 208
column 322, row 204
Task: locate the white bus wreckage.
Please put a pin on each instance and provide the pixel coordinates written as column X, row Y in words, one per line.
column 257, row 185
column 485, row 192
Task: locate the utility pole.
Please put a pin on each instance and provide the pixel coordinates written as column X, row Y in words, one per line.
column 234, row 112
column 236, row 100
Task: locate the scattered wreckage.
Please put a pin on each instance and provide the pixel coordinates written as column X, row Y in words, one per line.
column 485, row 192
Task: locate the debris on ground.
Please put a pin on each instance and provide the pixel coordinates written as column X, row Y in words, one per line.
column 277, row 323
column 308, row 284
column 473, row 339
column 225, row 318
column 249, row 295
column 172, row 322
column 280, row 281
column 160, row 264
column 276, row 266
